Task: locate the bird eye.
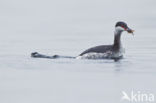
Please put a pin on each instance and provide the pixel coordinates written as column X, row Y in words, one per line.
column 123, row 27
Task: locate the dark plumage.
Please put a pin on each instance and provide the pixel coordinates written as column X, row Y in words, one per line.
column 98, row 49
column 115, row 49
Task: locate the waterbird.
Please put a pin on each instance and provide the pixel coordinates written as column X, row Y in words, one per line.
column 114, row 51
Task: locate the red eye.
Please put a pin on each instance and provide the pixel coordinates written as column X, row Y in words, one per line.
column 123, row 27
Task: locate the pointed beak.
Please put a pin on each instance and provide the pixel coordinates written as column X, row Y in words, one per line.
column 130, row 30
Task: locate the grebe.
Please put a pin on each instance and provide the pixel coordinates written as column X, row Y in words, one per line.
column 114, row 51
column 108, row 51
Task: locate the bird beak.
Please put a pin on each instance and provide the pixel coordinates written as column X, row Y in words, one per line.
column 130, row 31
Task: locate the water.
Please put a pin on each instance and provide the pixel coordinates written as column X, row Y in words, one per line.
column 68, row 28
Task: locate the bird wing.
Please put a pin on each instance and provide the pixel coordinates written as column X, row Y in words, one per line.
column 98, row 49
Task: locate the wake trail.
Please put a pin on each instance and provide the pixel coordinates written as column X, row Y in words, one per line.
column 38, row 55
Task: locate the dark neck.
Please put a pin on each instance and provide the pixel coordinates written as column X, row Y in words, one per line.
column 117, row 40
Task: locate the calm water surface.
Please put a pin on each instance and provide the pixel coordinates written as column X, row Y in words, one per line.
column 68, row 28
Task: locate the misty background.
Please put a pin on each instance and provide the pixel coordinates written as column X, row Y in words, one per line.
column 68, row 27
column 38, row 21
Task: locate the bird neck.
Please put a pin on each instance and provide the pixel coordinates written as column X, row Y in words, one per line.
column 117, row 40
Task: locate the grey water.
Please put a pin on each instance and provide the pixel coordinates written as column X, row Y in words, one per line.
column 68, row 28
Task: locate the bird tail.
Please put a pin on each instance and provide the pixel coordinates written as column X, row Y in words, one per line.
column 38, row 55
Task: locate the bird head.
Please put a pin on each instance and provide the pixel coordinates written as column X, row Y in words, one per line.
column 122, row 26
